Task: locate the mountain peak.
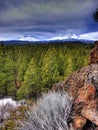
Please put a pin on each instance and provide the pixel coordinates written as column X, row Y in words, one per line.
column 28, row 38
column 66, row 37
column 72, row 35
column 93, row 36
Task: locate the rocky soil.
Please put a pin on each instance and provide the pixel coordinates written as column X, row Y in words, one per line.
column 83, row 86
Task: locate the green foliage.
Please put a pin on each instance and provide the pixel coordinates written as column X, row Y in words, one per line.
column 50, row 73
column 6, row 72
column 28, row 70
column 31, row 81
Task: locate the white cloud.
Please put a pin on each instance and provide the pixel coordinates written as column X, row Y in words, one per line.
column 9, row 36
column 90, row 36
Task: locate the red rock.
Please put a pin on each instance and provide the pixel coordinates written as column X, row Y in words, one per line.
column 94, row 55
column 83, row 86
column 90, row 112
column 79, row 122
column 85, row 94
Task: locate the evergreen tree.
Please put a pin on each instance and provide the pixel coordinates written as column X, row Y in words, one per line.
column 6, row 73
column 29, row 70
column 50, row 73
column 31, row 82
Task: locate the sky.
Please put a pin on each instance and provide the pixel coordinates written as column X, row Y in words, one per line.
column 44, row 19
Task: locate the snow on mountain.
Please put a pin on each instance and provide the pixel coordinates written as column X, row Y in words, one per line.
column 72, row 36
column 92, row 36
column 27, row 38
column 21, row 38
column 65, row 37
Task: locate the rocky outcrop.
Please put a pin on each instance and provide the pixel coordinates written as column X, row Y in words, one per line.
column 83, row 86
column 94, row 54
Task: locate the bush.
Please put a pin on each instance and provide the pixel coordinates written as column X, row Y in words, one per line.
column 51, row 112
column 6, row 106
column 13, row 122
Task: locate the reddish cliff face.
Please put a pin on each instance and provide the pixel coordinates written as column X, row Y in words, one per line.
column 94, row 54
column 87, row 75
column 83, row 86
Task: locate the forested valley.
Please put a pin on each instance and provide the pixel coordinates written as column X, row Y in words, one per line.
column 28, row 70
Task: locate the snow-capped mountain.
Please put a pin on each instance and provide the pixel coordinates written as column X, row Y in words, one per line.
column 87, row 37
column 28, row 38
column 64, row 37
column 74, row 37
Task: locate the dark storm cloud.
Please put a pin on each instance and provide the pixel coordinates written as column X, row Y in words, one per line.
column 53, row 16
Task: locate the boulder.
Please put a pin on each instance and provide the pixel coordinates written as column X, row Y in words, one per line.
column 83, row 86
column 78, row 79
column 94, row 54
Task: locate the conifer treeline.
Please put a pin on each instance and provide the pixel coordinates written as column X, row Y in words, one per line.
column 28, row 70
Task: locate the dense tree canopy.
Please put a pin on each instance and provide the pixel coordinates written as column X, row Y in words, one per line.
column 28, row 70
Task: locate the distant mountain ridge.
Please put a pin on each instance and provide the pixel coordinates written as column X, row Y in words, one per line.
column 65, row 37
column 70, row 37
column 88, row 37
column 28, row 38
